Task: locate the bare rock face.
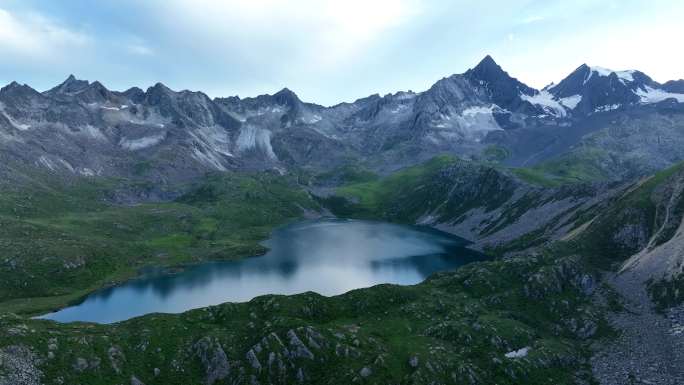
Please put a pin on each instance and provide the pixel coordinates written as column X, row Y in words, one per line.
column 298, row 349
column 116, row 358
column 552, row 280
column 19, row 366
column 80, row 365
column 283, row 358
column 213, row 358
column 365, row 372
column 413, row 362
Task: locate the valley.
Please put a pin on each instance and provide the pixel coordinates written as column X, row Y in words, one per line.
column 571, row 198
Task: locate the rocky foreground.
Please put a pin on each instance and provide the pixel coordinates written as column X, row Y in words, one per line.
column 650, row 345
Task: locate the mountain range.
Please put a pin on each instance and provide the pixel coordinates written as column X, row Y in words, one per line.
column 620, row 118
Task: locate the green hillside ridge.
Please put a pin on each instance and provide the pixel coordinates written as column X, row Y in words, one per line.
column 602, row 241
column 410, row 193
column 454, row 327
column 57, row 245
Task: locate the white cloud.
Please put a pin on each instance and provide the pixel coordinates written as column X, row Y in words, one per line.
column 627, row 42
column 35, row 36
column 532, row 19
column 139, row 49
column 318, row 34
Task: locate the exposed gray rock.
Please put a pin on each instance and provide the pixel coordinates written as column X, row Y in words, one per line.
column 80, row 365
column 253, row 360
column 298, row 347
column 413, row 362
column 19, row 366
column 213, row 358
column 646, row 350
column 365, row 372
column 116, row 358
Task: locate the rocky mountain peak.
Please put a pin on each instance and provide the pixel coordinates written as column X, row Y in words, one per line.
column 157, row 93
column 135, row 94
column 504, row 90
column 487, row 70
column 18, row 91
column 70, row 86
column 14, row 84
column 602, row 89
column 159, row 88
column 287, row 97
column 573, row 83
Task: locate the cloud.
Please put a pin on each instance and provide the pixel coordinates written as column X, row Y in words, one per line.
column 328, row 50
column 317, row 34
column 139, row 49
column 630, row 41
column 35, row 36
column 532, row 19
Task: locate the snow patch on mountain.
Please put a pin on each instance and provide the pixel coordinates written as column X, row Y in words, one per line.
column 141, row 143
column 571, row 101
column 624, row 76
column 653, row 95
column 312, row 119
column 608, row 107
column 472, row 123
column 93, row 132
column 88, row 172
column 399, row 108
column 547, row 101
column 518, row 353
column 477, row 110
column 110, row 108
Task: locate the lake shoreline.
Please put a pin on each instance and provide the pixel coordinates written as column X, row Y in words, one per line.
column 178, row 273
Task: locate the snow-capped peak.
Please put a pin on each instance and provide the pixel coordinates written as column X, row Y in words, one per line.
column 626, row 75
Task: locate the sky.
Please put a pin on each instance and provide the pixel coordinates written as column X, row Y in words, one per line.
column 329, row 51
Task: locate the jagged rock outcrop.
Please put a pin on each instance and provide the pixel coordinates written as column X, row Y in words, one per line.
column 213, row 358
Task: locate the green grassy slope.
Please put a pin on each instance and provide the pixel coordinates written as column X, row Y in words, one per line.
column 454, row 328
column 57, row 244
column 583, row 165
column 627, row 224
column 411, row 193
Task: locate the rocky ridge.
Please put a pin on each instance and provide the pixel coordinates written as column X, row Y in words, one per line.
column 79, row 128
